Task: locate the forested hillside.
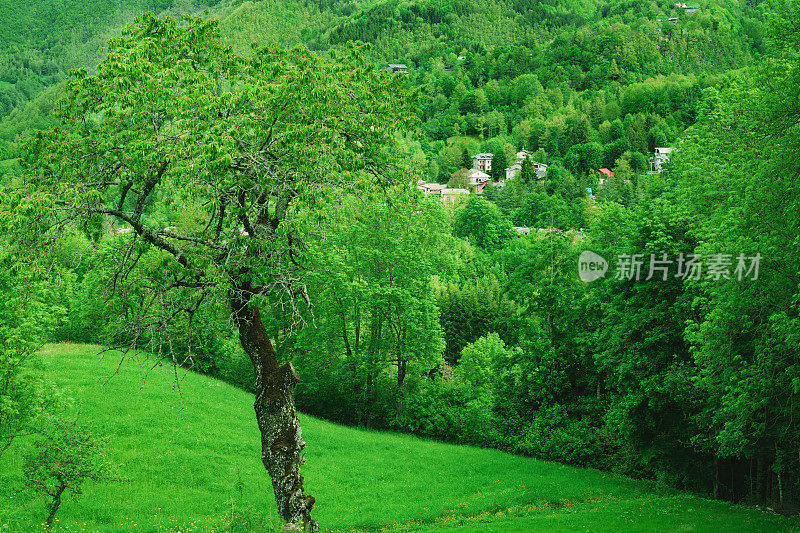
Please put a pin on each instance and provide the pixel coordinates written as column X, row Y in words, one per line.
column 468, row 318
column 41, row 41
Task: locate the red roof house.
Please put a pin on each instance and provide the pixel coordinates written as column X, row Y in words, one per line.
column 604, row 175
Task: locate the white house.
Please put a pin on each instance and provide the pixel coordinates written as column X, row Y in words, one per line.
column 522, row 230
column 397, row 67
column 539, row 168
column 476, row 177
column 443, row 192
column 482, row 162
column 522, row 154
column 657, row 160
column 512, row 171
column 430, row 188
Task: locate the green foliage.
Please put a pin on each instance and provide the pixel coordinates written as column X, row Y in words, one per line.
column 687, row 383
column 481, row 360
column 483, row 223
column 543, row 211
column 641, row 353
column 553, row 434
column 527, row 173
column 499, row 164
column 180, row 190
column 470, row 310
column 376, row 326
column 466, row 160
column 41, row 41
column 239, row 152
column 29, row 308
column 619, row 188
column 65, row 455
column 24, row 317
column 742, row 345
column 460, row 179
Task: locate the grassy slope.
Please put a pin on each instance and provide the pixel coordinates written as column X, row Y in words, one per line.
column 182, row 467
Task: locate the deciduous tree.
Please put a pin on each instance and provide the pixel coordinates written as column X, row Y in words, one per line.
column 466, row 160
column 249, row 144
column 482, row 221
column 66, row 455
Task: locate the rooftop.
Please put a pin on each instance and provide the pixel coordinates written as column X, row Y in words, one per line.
column 606, row 172
column 478, row 174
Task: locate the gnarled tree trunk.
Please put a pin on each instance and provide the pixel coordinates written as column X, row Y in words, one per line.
column 281, row 438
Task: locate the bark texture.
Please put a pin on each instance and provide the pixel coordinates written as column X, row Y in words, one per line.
column 281, row 437
column 56, row 503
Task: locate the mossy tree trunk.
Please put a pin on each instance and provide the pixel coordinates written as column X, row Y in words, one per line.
column 281, row 437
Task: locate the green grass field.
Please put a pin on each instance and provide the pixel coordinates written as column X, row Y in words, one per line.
column 184, row 464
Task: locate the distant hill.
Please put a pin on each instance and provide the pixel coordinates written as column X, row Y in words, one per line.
column 583, row 44
column 40, row 41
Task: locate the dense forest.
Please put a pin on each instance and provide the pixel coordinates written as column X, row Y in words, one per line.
column 442, row 319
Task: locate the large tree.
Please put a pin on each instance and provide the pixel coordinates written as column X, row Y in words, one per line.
column 243, row 147
column 482, row 222
column 747, row 205
column 377, row 316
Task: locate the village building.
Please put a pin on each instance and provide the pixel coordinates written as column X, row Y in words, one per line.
column 658, row 159
column 512, row 171
column 522, row 230
column 482, row 162
column 604, row 175
column 477, row 180
column 688, row 9
column 470, row 179
column 539, row 168
column 444, row 193
column 397, row 67
column 476, row 177
column 451, row 196
column 430, row 188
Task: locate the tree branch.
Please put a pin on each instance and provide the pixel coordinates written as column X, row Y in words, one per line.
column 153, row 237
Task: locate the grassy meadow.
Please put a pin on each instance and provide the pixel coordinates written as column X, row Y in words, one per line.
column 189, row 459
